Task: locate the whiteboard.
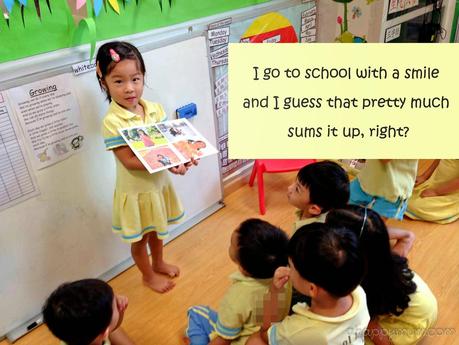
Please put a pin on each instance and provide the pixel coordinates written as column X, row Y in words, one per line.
column 65, row 233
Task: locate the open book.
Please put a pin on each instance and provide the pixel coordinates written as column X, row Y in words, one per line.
column 166, row 144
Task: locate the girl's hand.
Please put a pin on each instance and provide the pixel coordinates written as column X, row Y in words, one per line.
column 183, row 168
column 179, row 169
column 281, row 277
column 193, row 161
column 429, row 192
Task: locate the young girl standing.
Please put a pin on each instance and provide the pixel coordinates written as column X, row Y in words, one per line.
column 144, row 204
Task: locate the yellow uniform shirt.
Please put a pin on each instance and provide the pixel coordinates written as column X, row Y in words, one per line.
column 301, row 222
column 240, row 313
column 410, row 327
column 305, row 327
column 393, row 180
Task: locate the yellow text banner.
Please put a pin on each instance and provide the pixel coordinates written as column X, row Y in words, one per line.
column 343, row 100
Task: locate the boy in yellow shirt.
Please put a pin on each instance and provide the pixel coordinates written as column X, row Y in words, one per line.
column 327, row 265
column 318, row 188
column 258, row 248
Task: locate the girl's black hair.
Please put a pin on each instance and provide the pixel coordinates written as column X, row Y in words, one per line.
column 105, row 62
column 328, row 257
column 262, row 248
column 388, row 281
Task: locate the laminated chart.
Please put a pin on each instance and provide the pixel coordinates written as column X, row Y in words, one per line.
column 16, row 181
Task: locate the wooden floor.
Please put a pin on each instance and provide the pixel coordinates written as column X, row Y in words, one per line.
column 201, row 253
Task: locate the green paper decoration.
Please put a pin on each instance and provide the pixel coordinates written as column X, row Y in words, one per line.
column 54, row 29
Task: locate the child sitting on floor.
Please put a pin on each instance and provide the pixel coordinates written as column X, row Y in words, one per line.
column 326, row 265
column 86, row 312
column 257, row 248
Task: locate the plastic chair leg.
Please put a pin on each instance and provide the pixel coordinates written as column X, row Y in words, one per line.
column 253, row 174
column 261, row 191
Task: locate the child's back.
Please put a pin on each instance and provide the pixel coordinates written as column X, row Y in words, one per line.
column 307, row 327
column 258, row 248
column 241, row 309
column 385, row 186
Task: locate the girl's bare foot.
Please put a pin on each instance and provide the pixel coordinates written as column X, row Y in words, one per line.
column 167, row 269
column 159, row 283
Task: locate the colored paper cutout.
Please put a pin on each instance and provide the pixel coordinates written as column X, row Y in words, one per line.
column 115, row 6
column 80, row 3
column 97, row 6
column 9, row 4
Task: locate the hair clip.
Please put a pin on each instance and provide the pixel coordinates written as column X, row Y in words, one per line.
column 364, row 221
column 115, row 57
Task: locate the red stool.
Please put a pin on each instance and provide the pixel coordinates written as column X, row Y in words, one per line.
column 262, row 166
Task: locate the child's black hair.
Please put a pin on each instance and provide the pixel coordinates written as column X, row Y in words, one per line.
column 388, row 281
column 78, row 312
column 327, row 182
column 262, row 248
column 328, row 257
column 105, row 62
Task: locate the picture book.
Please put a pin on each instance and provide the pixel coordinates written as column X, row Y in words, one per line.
column 166, row 144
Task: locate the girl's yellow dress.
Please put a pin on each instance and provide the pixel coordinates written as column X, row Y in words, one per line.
column 142, row 202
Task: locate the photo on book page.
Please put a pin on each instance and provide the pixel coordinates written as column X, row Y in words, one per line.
column 143, row 137
column 160, row 157
column 176, row 130
column 192, row 148
column 167, row 144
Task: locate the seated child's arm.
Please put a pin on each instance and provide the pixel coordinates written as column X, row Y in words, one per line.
column 404, row 240
column 121, row 304
column 117, row 335
column 377, row 334
column 255, row 339
column 128, row 158
column 426, row 174
column 443, row 189
column 270, row 310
